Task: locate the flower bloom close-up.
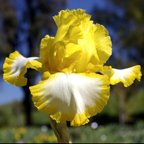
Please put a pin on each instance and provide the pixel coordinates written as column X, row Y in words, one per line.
column 75, row 83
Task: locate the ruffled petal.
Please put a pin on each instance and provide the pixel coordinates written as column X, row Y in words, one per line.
column 15, row 67
column 58, row 56
column 46, row 52
column 79, row 45
column 71, row 97
column 103, row 43
column 68, row 23
column 67, row 17
column 126, row 76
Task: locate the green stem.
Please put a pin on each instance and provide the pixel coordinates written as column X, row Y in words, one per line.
column 61, row 131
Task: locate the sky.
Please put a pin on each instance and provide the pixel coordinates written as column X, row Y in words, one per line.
column 10, row 93
column 86, row 4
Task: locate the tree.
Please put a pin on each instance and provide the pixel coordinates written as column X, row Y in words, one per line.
column 32, row 23
column 125, row 20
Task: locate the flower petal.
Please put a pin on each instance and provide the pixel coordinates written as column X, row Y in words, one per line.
column 68, row 22
column 71, row 97
column 103, row 43
column 79, row 44
column 16, row 66
column 46, row 51
column 67, row 17
column 126, row 76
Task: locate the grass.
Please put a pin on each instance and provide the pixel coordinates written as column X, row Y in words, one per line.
column 111, row 133
column 26, row 135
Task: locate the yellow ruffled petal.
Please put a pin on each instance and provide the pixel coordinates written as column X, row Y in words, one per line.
column 77, row 37
column 16, row 66
column 126, row 76
column 58, row 56
column 66, row 17
column 103, row 43
column 46, row 51
column 68, row 22
column 71, row 97
column 89, row 53
column 76, row 33
column 33, row 64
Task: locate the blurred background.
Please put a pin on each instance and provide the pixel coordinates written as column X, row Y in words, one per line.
column 22, row 25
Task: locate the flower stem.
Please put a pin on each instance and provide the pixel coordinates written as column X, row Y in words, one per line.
column 61, row 131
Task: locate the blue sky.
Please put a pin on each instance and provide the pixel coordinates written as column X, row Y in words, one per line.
column 86, row 4
column 9, row 93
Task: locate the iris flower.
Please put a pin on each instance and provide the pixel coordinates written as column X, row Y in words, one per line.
column 75, row 83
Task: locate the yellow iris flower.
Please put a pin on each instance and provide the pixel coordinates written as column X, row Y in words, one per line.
column 71, row 88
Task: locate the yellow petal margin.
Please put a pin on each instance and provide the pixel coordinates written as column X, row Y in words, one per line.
column 126, row 76
column 15, row 67
column 71, row 97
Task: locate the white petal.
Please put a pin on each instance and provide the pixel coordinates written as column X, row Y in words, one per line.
column 71, row 97
column 15, row 66
column 126, row 76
